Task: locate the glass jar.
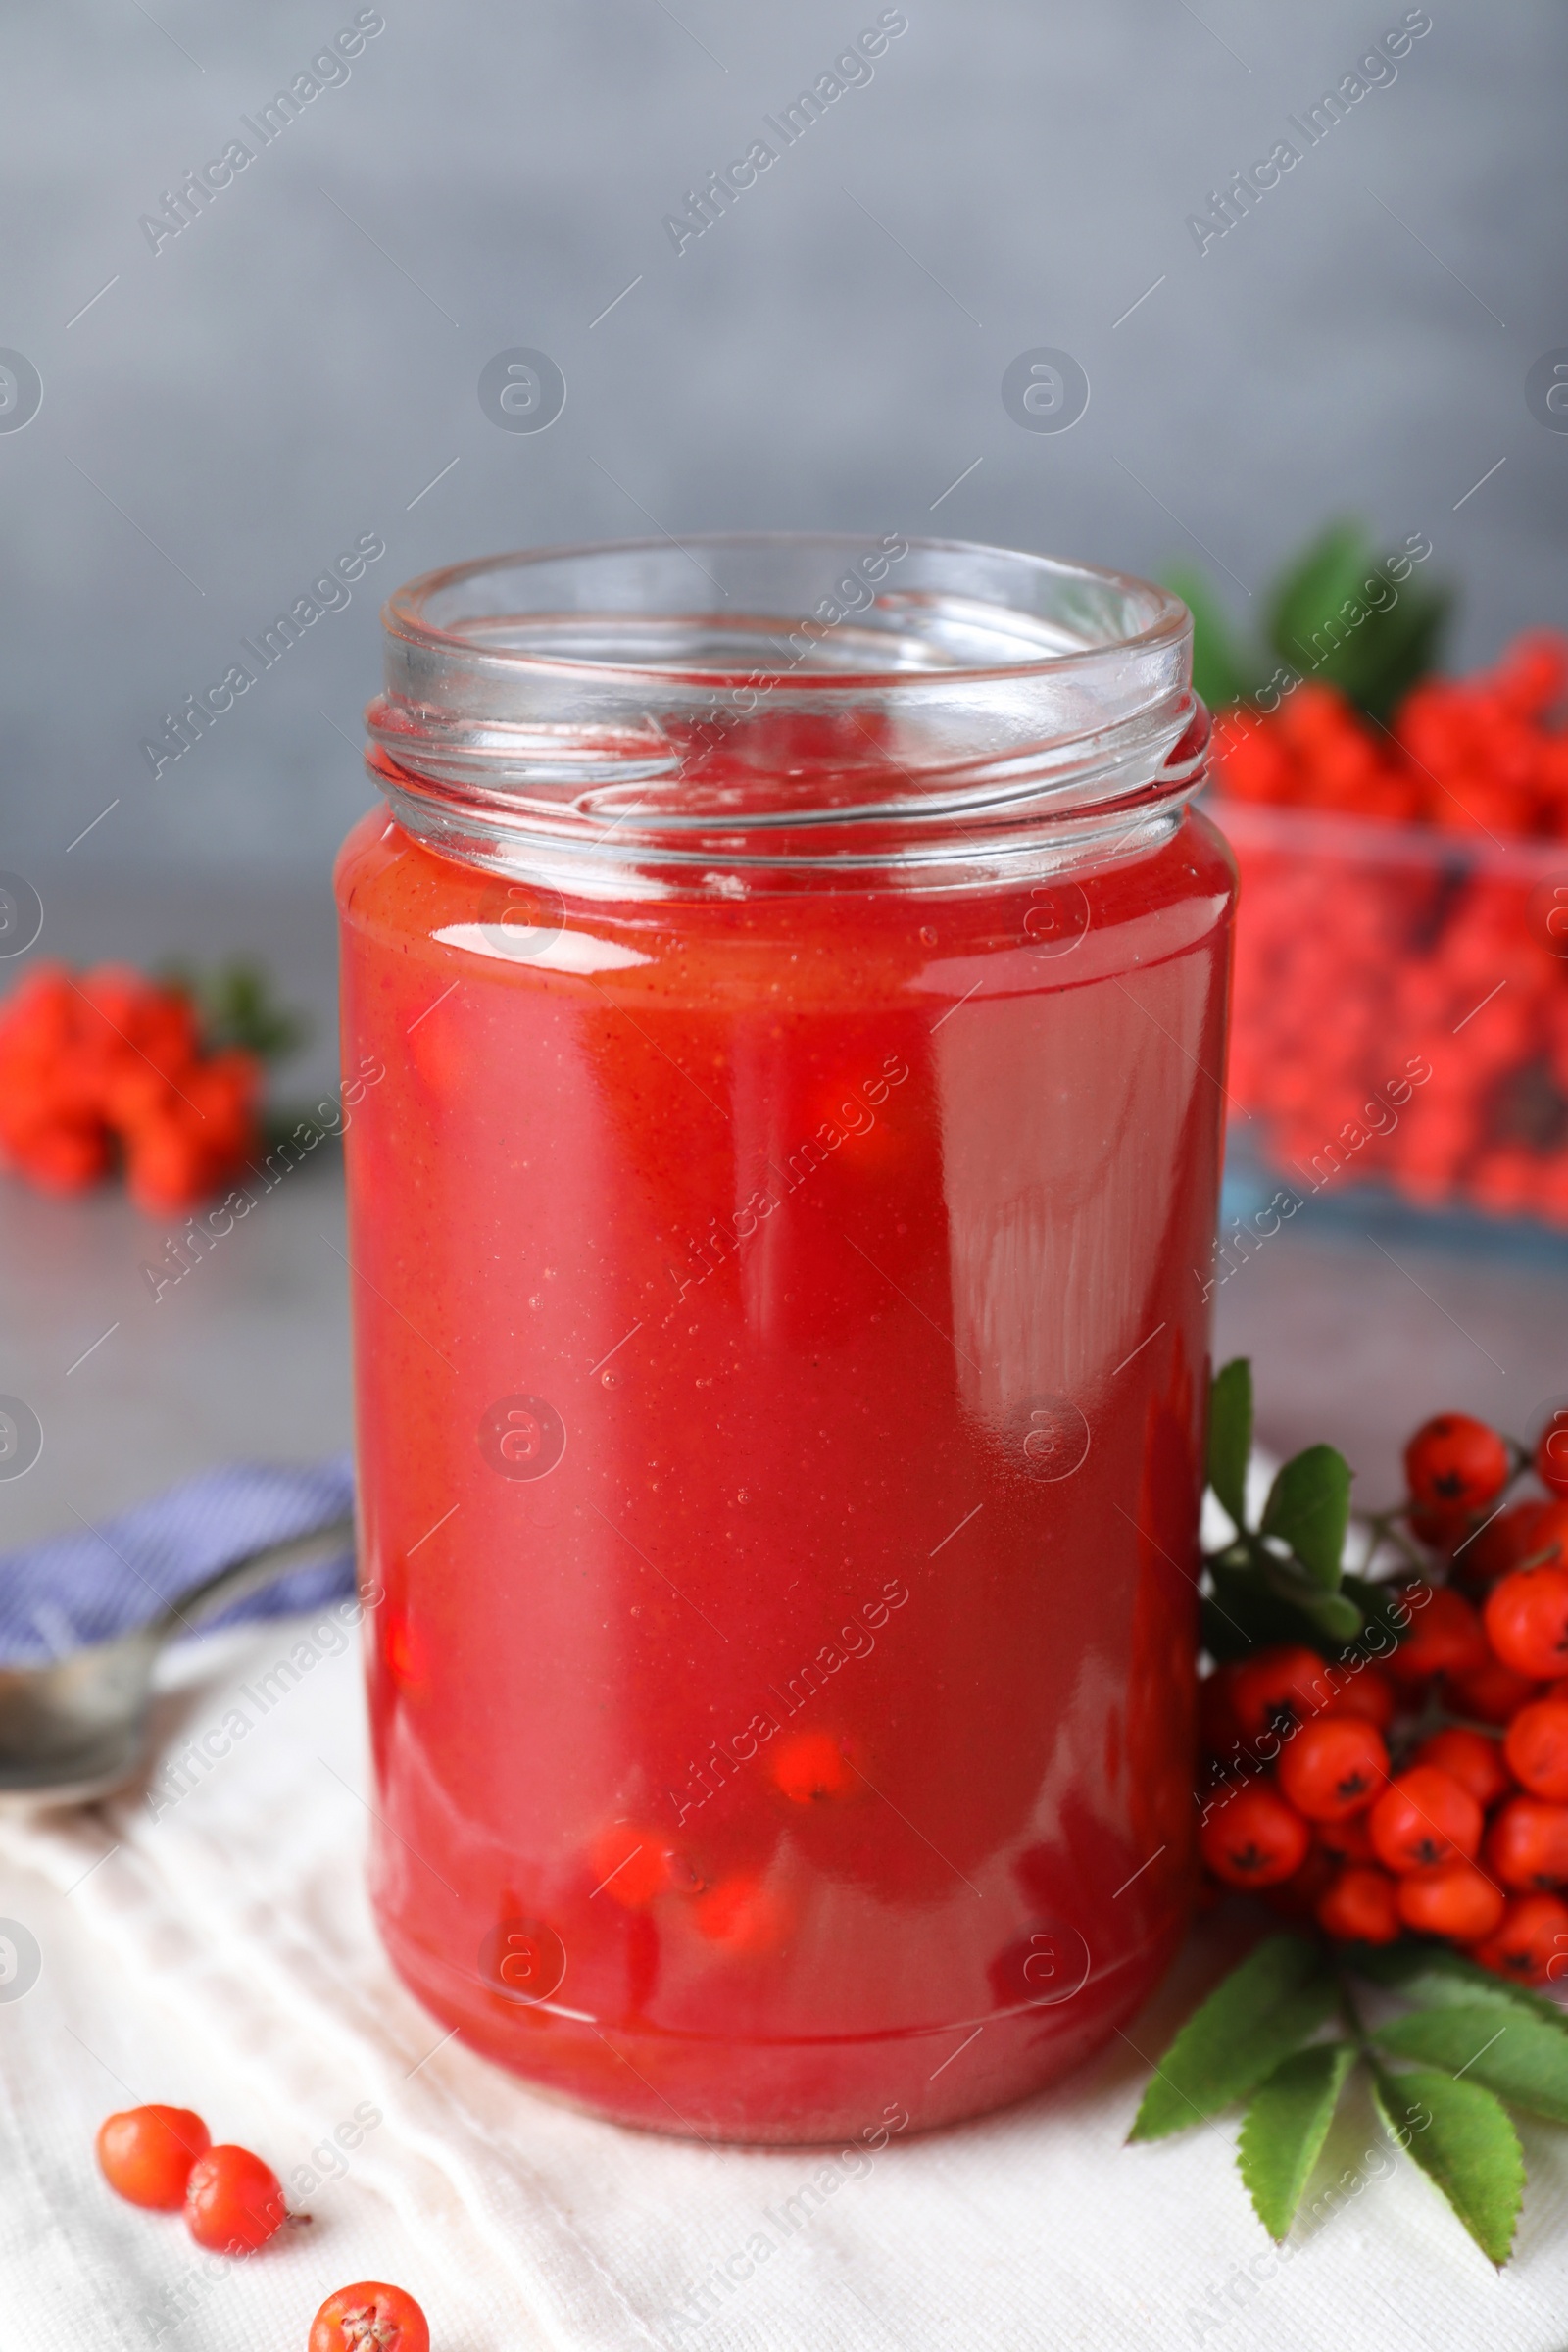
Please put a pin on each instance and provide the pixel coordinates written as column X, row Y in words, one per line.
column 790, row 988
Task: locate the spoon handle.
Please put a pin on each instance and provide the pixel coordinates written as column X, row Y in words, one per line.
column 249, row 1574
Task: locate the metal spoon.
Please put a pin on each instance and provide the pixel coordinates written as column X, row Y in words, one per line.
column 75, row 1729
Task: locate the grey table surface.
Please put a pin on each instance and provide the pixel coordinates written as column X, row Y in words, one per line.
column 1359, row 1322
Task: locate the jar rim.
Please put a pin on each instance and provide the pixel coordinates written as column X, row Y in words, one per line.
column 861, row 703
column 407, row 615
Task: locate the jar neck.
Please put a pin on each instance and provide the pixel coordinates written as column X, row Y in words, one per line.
column 944, row 716
column 995, row 827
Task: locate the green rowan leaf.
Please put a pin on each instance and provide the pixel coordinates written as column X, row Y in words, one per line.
column 1310, row 594
column 1226, row 1633
column 239, row 1007
column 1439, row 1978
column 1378, row 663
column 1309, row 1509
column 1504, row 2048
column 1230, row 1435
column 1335, row 1616
column 1339, row 615
column 1247, row 1610
column 1286, row 2126
column 1269, row 2006
column 1243, row 1614
column 1461, row 2138
column 1224, row 669
column 1380, row 1606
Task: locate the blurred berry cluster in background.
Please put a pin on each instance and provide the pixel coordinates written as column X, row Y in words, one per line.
column 1402, row 960
column 109, row 1072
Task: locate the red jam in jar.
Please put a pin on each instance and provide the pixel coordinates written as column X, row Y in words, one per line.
column 787, row 991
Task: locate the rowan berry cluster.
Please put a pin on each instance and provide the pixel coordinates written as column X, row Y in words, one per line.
column 163, row 2158
column 1425, row 1791
column 111, row 1070
column 1479, row 754
column 1360, row 955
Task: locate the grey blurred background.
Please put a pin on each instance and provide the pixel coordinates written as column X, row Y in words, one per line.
column 299, row 366
column 294, row 368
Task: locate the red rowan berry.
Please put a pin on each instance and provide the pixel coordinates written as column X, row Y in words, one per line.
column 1253, row 1837
column 632, row 1864
column 1527, row 1845
column 1423, row 1820
column 1456, row 1463
column 1469, row 1757
column 146, row 2154
column 370, row 2318
column 1348, row 1839
column 1536, row 1745
column 233, row 2201
column 166, row 1166
column 1333, row 1767
column 1491, row 1693
column 60, row 1159
column 1369, row 1694
column 404, row 1650
column 1529, row 1943
column 1298, row 1895
column 1445, row 1635
column 1277, row 1688
column 1440, row 1531
column 1550, row 1531
column 1361, row 1907
column 810, row 1768
column 1527, row 1621
column 1460, row 1902
column 1525, row 1530
column 744, row 1914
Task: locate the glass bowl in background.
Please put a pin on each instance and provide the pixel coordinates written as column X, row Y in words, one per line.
column 1400, row 1010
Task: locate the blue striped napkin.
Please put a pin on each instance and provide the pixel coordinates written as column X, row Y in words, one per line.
column 94, row 1583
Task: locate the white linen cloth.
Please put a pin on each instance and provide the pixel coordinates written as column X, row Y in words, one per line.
column 221, row 1956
